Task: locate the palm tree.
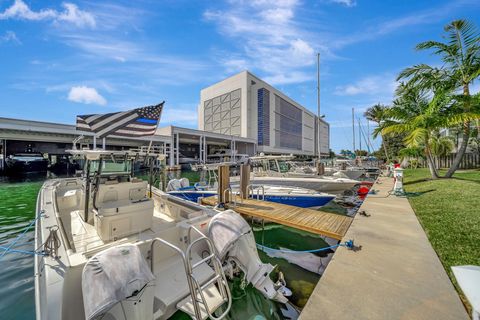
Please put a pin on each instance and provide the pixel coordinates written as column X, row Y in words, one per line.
column 460, row 54
column 376, row 113
column 416, row 116
column 411, row 155
column 441, row 146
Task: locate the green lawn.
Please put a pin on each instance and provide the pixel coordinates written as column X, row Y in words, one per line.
column 449, row 211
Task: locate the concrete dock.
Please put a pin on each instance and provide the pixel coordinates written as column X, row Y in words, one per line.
column 395, row 275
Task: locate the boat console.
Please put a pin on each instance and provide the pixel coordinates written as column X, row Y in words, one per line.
column 121, row 208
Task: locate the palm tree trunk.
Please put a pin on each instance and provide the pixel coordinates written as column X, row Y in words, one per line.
column 465, row 137
column 461, row 151
column 430, row 162
column 384, row 142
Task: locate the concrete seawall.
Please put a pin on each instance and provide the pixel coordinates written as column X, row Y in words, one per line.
column 395, row 275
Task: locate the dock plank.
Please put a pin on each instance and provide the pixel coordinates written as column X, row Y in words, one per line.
column 319, row 222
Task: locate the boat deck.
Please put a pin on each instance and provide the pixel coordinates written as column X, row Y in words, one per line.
column 318, row 222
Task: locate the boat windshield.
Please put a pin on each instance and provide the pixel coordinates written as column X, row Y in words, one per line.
column 283, row 166
column 109, row 166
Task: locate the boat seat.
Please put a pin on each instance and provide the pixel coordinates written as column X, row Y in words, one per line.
column 112, row 190
column 115, row 219
column 125, row 206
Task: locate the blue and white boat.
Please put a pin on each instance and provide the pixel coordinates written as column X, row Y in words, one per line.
column 294, row 196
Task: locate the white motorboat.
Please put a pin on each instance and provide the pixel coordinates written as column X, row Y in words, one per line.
column 108, row 247
column 293, row 196
column 225, row 155
column 275, row 170
column 320, row 184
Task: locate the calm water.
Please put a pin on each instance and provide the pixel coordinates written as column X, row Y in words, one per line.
column 17, row 207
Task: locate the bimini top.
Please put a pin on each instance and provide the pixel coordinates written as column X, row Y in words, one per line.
column 112, row 276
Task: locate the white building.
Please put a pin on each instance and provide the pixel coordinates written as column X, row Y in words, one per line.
column 246, row 106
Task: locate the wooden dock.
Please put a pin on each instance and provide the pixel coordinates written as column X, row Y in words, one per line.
column 324, row 223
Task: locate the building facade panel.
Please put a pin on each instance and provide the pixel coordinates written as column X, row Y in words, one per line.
column 263, row 130
column 221, row 114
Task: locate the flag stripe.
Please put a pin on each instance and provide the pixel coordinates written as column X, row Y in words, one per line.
column 113, row 124
column 147, row 120
column 116, row 125
column 93, row 117
column 107, row 120
column 134, row 133
column 140, row 126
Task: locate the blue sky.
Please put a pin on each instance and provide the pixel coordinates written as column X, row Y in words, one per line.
column 60, row 59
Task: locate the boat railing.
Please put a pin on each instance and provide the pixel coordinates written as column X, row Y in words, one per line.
column 251, row 191
column 232, row 196
column 195, row 287
column 219, row 276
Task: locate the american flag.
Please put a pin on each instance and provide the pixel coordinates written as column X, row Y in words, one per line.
column 134, row 123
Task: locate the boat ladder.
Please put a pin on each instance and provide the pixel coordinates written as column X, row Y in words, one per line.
column 206, row 296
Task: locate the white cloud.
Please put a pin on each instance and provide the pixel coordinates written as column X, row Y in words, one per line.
column 20, row 10
column 384, row 85
column 9, row 36
column 71, row 14
column 346, row 3
column 269, row 39
column 393, row 24
column 87, row 95
column 76, row 16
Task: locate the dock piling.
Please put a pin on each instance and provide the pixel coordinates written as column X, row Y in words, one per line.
column 223, row 183
column 244, row 180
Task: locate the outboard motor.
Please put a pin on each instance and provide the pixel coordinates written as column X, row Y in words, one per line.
column 236, row 248
column 117, row 284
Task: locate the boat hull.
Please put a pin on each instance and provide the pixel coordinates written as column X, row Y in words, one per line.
column 19, row 167
column 303, row 201
column 321, row 184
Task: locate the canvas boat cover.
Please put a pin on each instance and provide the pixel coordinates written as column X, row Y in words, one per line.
column 224, row 229
column 111, row 276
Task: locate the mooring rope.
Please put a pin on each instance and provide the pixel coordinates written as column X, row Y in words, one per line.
column 347, row 244
column 9, row 248
column 35, row 253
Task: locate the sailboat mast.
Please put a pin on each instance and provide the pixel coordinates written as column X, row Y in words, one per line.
column 318, row 107
column 353, row 128
column 368, row 134
column 360, row 134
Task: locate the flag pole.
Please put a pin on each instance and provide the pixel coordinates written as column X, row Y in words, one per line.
column 156, row 127
column 151, row 138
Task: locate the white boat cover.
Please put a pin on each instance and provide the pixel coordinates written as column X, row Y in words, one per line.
column 111, row 276
column 224, row 229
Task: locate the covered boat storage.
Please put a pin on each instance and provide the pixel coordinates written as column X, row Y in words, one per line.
column 48, row 138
